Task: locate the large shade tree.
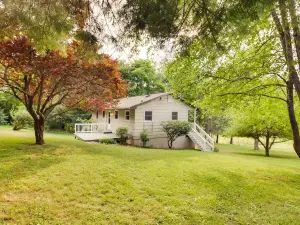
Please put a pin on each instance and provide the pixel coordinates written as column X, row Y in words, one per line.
column 234, row 79
column 141, row 77
column 43, row 81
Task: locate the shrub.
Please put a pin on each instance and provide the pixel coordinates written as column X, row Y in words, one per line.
column 70, row 127
column 216, row 149
column 144, row 138
column 107, row 141
column 122, row 133
column 175, row 129
column 3, row 117
column 21, row 119
column 62, row 118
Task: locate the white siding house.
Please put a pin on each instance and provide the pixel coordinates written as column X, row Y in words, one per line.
column 147, row 113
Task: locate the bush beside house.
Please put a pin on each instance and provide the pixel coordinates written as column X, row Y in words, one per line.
column 144, row 138
column 122, row 133
column 175, row 129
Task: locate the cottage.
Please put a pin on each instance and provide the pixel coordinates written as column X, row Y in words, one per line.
column 146, row 112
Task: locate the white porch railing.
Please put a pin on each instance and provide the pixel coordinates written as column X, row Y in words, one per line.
column 89, row 127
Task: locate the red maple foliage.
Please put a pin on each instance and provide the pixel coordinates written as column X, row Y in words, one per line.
column 43, row 81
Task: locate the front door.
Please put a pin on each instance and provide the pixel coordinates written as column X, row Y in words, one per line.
column 108, row 122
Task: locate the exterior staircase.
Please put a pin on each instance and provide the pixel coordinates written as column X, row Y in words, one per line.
column 201, row 138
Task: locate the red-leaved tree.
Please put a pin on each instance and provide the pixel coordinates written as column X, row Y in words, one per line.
column 43, row 81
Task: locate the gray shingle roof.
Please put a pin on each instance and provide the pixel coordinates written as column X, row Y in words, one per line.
column 131, row 102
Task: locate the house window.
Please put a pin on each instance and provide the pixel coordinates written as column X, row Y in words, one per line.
column 116, row 115
column 103, row 114
column 97, row 114
column 148, row 115
column 127, row 115
column 174, row 115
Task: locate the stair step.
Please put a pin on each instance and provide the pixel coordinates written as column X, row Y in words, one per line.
column 203, row 144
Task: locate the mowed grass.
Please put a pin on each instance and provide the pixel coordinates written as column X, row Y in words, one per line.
column 71, row 182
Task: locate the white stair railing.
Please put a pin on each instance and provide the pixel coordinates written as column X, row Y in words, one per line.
column 89, row 127
column 201, row 138
column 205, row 135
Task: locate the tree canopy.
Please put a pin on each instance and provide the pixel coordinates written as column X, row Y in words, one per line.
column 48, row 23
column 141, row 77
column 261, row 62
column 264, row 119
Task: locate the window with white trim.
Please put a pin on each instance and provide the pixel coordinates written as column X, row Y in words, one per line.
column 116, row 115
column 174, row 115
column 97, row 114
column 148, row 115
column 103, row 114
column 127, row 115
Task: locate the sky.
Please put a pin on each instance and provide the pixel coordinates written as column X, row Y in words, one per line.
column 158, row 56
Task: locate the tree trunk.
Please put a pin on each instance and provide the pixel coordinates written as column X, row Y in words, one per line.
column 256, row 147
column 267, row 152
column 267, row 147
column 217, row 140
column 170, row 143
column 231, row 141
column 293, row 80
column 286, row 42
column 292, row 117
column 295, row 27
column 39, row 127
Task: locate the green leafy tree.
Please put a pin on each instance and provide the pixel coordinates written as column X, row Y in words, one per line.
column 253, row 69
column 258, row 122
column 142, row 78
column 175, row 129
column 216, row 125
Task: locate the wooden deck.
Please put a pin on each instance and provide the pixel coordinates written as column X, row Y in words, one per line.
column 95, row 136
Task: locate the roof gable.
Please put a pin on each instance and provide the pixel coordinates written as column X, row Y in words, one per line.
column 132, row 102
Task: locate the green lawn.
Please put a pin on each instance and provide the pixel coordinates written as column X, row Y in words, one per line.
column 71, row 182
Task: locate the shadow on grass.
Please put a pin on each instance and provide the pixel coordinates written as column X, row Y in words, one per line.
column 262, row 154
column 23, row 159
column 136, row 153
